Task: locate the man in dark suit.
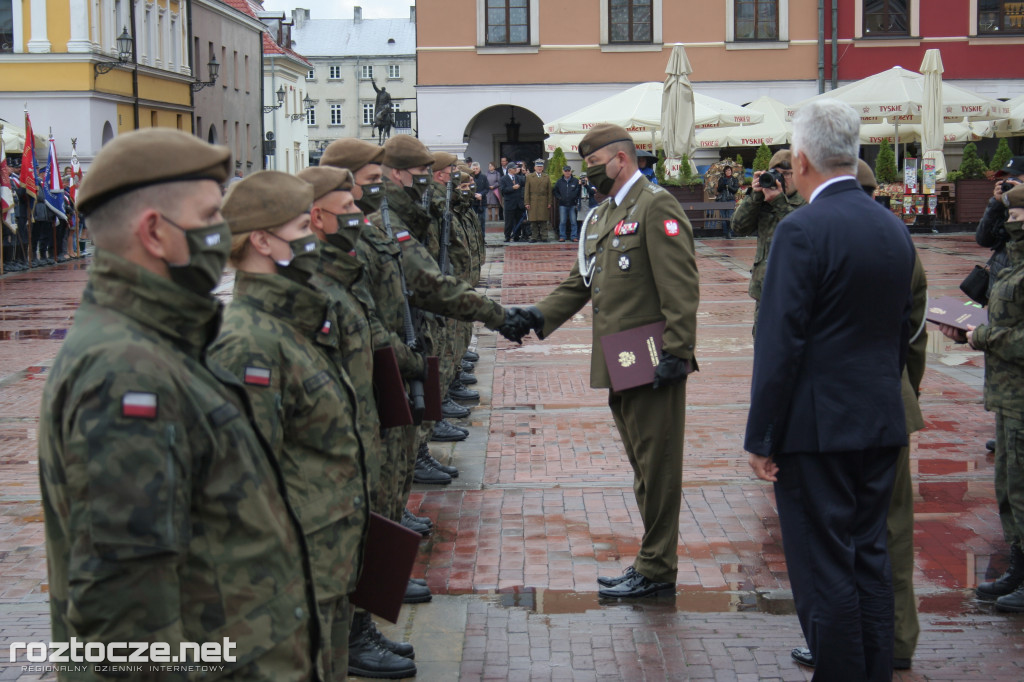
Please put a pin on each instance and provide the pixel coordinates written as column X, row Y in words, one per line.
column 512, row 197
column 826, row 415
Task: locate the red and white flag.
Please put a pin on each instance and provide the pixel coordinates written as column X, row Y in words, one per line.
column 6, row 193
column 27, row 177
column 75, row 179
column 139, row 404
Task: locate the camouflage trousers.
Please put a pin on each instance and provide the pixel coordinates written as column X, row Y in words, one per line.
column 1010, row 476
column 335, row 620
column 397, row 476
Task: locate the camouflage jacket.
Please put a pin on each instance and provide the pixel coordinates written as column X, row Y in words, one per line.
column 166, row 518
column 428, row 288
column 278, row 338
column 469, row 234
column 752, row 215
column 458, row 250
column 1002, row 338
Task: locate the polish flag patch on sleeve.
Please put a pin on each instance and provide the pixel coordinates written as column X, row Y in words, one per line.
column 326, row 329
column 138, row 404
column 256, row 376
column 403, row 236
column 672, row 228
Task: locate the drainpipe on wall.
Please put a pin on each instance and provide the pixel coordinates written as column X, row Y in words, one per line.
column 821, row 46
column 191, row 63
column 835, row 44
column 273, row 82
column 263, row 92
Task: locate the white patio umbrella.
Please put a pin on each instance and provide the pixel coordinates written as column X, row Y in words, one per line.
column 773, row 129
column 570, row 142
column 932, row 137
column 964, row 131
column 14, row 138
column 677, row 106
column 1014, row 125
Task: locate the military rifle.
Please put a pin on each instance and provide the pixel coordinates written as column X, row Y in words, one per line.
column 444, row 259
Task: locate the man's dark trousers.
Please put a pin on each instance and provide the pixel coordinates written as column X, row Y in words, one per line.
column 512, row 216
column 832, row 512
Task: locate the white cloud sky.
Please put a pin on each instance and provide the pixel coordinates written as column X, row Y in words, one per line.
column 342, row 9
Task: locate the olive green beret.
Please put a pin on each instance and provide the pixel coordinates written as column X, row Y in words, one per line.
column 602, row 135
column 443, row 159
column 326, row 179
column 149, row 157
column 405, row 151
column 1015, row 197
column 265, row 200
column 783, row 158
column 465, row 174
column 351, row 153
column 866, row 176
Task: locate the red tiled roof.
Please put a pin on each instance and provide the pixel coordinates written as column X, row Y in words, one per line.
column 250, row 8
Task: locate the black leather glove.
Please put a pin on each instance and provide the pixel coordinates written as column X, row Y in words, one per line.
column 519, row 321
column 671, row 369
column 534, row 318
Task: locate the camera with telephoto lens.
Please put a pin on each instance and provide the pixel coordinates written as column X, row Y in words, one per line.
column 770, row 177
column 1008, row 185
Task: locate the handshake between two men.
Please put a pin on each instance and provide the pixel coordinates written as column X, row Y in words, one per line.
column 519, row 322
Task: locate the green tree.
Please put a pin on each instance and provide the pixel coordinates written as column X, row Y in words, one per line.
column 885, row 164
column 555, row 165
column 762, row 158
column 659, row 169
column 1002, row 155
column 971, row 167
column 739, row 160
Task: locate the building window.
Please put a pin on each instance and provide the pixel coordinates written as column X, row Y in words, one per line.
column 630, row 21
column 394, row 71
column 310, row 75
column 311, row 117
column 334, row 72
column 368, row 114
column 508, row 22
column 756, row 20
column 366, row 72
column 886, row 18
column 1000, row 16
column 6, row 26
column 335, row 114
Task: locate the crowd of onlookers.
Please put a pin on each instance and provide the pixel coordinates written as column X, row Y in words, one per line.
column 34, row 234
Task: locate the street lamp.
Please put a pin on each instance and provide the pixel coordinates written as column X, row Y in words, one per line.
column 308, row 104
column 280, row 101
column 214, row 68
column 125, row 45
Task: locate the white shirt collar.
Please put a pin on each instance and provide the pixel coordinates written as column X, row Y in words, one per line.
column 830, row 181
column 620, row 196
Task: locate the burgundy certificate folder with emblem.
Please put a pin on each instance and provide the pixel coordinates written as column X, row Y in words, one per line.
column 956, row 312
column 388, row 557
column 632, row 355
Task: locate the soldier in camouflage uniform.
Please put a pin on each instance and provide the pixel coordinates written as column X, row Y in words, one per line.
column 760, row 212
column 279, row 337
column 1002, row 339
column 166, row 515
column 337, row 222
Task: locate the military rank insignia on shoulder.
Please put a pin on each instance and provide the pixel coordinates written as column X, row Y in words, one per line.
column 654, row 189
column 403, row 236
column 672, row 228
column 139, row 405
column 256, row 376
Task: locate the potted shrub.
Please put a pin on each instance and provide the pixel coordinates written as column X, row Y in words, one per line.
column 973, row 186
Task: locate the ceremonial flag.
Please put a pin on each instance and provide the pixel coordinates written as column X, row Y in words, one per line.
column 6, row 193
column 76, row 172
column 27, row 178
column 53, row 188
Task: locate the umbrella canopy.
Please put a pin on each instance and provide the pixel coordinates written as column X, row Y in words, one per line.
column 772, row 130
column 638, row 109
column 1014, row 125
column 14, row 138
column 931, row 113
column 964, row 131
column 570, row 142
column 677, row 106
column 898, row 94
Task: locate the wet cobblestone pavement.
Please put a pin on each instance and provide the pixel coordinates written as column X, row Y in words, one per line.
column 545, row 504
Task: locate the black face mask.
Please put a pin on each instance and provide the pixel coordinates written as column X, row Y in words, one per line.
column 372, row 194
column 208, row 249
column 305, row 257
column 349, row 226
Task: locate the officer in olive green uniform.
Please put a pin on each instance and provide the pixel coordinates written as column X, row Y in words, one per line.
column 166, row 515
column 636, row 265
column 1002, row 339
column 760, row 212
column 537, row 197
column 278, row 338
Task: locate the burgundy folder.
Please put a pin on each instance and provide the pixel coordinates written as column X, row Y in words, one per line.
column 956, row 312
column 632, row 355
column 388, row 558
column 392, row 400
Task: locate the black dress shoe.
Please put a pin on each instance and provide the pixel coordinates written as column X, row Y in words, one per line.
column 634, row 587
column 803, row 656
column 470, row 355
column 608, row 581
column 990, row 445
column 901, row 664
column 425, row 473
column 467, row 379
column 424, row 453
column 468, row 367
column 457, row 391
column 416, row 594
column 452, row 410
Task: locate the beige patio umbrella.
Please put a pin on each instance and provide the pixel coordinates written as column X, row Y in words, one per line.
column 570, row 142
column 773, row 129
column 932, row 133
column 964, row 131
column 1014, row 125
column 677, row 107
column 14, row 138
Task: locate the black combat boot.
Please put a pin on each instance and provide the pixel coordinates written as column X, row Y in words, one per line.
column 427, row 473
column 445, row 432
column 452, row 410
column 424, row 520
column 1008, row 582
column 468, row 367
column 403, row 649
column 409, row 521
column 471, row 355
column 467, row 379
column 457, row 391
column 368, row 657
column 416, row 593
column 424, row 452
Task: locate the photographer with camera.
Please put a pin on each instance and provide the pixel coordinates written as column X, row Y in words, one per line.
column 772, row 196
column 990, row 228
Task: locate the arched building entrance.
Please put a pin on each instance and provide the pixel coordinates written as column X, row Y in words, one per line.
column 504, row 130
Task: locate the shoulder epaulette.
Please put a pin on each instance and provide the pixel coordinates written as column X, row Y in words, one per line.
column 653, row 189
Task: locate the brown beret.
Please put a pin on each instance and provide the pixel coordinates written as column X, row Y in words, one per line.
column 465, row 174
column 602, row 135
column 351, row 153
column 1015, row 197
column 326, row 179
column 405, row 151
column 265, row 200
column 866, row 176
column 149, row 157
column 443, row 159
column 783, row 158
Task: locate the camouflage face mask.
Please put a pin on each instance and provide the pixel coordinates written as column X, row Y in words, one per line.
column 303, row 262
column 349, row 225
column 208, row 249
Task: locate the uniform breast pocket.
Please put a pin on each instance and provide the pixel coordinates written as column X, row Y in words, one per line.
column 625, row 256
column 1006, row 303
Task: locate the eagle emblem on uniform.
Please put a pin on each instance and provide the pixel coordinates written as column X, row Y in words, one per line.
column 671, row 227
column 623, row 262
column 626, row 359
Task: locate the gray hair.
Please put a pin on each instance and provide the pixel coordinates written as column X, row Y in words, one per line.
column 475, row 164
column 827, row 132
